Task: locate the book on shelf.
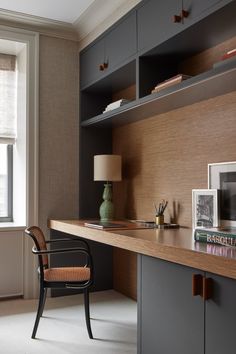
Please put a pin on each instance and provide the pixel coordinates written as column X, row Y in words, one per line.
column 229, row 54
column 116, row 104
column 220, row 236
column 171, row 81
column 228, row 57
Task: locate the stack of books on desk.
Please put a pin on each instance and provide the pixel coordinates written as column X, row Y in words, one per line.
column 171, row 81
column 229, row 56
column 116, row 104
column 219, row 236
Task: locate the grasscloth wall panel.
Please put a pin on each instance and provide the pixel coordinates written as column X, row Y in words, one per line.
column 166, row 156
column 58, row 130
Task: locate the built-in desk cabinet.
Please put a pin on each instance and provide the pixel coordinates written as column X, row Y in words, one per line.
column 159, row 17
column 172, row 320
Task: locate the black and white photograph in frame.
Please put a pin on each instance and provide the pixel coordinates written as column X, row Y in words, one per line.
column 205, row 208
column 222, row 176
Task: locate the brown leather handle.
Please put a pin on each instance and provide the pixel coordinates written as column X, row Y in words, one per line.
column 184, row 13
column 177, row 18
column 103, row 66
column 207, row 288
column 197, row 284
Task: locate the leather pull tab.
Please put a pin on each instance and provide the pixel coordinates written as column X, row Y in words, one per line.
column 197, row 284
column 207, row 288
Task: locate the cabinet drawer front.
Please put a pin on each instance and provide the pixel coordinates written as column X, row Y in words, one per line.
column 121, row 42
column 90, row 60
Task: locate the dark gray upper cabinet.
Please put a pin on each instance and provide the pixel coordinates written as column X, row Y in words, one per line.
column 121, row 42
column 155, row 18
column 90, row 60
column 155, row 24
column 114, row 49
column 146, row 47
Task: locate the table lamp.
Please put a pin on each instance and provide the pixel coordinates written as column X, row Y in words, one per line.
column 107, row 168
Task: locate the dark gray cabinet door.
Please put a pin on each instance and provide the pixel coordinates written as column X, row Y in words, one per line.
column 121, row 42
column 155, row 18
column 201, row 8
column 155, row 24
column 90, row 59
column 114, row 48
column 221, row 317
column 170, row 319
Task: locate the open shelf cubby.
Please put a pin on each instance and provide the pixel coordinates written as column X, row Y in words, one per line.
column 120, row 84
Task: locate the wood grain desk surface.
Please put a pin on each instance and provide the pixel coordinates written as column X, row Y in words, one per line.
column 174, row 245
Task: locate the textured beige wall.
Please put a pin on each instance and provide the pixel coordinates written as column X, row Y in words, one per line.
column 58, row 130
column 166, row 156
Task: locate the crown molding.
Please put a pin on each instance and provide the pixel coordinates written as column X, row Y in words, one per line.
column 39, row 24
column 100, row 15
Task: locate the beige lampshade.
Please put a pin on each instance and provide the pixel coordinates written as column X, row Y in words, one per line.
column 107, row 168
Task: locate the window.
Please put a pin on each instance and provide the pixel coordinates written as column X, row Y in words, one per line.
column 6, row 180
column 7, row 133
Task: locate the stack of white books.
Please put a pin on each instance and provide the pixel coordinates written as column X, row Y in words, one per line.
column 116, row 104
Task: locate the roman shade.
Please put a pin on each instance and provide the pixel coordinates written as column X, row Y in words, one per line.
column 7, row 99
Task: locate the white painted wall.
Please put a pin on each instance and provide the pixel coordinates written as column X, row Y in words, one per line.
column 11, row 270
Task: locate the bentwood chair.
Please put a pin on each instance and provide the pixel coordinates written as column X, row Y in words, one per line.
column 63, row 277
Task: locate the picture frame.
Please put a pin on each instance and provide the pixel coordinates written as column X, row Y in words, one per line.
column 222, row 176
column 204, row 208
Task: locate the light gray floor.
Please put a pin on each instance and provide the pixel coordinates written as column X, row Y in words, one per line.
column 62, row 330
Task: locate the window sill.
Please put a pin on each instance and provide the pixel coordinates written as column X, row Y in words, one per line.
column 8, row 226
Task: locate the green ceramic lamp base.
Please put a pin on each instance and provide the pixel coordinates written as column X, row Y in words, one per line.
column 106, row 210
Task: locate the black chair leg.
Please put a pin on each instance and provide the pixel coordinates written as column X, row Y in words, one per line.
column 44, row 300
column 40, row 310
column 87, row 312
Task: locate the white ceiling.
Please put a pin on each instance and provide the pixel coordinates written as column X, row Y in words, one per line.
column 60, row 10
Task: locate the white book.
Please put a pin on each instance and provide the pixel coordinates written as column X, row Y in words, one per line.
column 231, row 51
column 116, row 104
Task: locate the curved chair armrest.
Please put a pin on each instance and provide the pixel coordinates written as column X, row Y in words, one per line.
column 64, row 250
column 69, row 239
column 61, row 250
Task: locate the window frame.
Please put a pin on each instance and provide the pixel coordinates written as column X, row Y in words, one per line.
column 9, row 217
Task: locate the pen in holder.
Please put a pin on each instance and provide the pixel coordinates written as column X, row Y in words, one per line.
column 160, row 212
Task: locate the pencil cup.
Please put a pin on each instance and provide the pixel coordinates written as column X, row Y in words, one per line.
column 160, row 220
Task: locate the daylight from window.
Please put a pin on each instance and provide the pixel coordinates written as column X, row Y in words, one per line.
column 8, row 96
column 3, row 181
